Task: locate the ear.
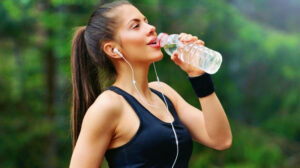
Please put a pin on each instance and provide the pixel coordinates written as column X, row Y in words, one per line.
column 108, row 48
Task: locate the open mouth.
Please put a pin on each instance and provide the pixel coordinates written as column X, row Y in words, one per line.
column 153, row 43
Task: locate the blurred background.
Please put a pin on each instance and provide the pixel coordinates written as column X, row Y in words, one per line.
column 258, row 82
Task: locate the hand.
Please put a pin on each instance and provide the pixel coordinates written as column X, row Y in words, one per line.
column 189, row 69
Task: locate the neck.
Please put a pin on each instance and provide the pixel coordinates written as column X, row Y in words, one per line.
column 124, row 79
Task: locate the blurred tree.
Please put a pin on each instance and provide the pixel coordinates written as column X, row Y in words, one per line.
column 258, row 83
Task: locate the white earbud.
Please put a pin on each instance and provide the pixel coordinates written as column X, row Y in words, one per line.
column 118, row 52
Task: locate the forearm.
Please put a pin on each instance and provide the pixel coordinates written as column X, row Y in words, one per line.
column 216, row 121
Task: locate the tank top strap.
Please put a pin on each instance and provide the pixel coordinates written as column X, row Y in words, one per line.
column 129, row 99
column 141, row 111
column 169, row 103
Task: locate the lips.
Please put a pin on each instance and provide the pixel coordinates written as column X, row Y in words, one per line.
column 152, row 41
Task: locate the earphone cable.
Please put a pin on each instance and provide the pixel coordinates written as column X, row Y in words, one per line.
column 166, row 104
column 134, row 84
column 175, row 134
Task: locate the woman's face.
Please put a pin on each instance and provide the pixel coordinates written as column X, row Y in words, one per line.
column 135, row 35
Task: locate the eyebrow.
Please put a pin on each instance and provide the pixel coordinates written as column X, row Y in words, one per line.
column 136, row 20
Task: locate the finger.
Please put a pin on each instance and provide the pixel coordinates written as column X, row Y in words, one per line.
column 195, row 38
column 174, row 55
column 192, row 39
column 189, row 39
column 181, row 35
column 175, row 58
column 199, row 42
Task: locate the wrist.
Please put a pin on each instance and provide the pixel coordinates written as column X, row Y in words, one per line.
column 195, row 74
column 202, row 85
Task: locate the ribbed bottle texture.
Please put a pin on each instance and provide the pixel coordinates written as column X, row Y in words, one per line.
column 197, row 55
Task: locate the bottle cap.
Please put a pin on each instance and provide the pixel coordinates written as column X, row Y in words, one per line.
column 160, row 37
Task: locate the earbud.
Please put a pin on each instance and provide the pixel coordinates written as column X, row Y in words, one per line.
column 118, row 52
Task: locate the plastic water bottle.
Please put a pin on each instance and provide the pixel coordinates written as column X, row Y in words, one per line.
column 197, row 55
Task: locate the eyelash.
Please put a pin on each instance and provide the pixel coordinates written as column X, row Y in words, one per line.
column 137, row 25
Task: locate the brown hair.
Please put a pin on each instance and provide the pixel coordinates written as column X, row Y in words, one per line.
column 88, row 59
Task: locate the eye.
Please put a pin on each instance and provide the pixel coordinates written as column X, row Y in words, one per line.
column 136, row 26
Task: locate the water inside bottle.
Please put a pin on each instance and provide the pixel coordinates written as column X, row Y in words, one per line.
column 170, row 48
column 198, row 56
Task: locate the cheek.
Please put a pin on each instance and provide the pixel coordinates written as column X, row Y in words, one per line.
column 134, row 46
column 134, row 43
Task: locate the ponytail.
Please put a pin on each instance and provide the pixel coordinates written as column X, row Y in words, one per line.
column 88, row 59
column 85, row 79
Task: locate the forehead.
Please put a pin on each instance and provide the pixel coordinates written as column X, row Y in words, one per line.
column 129, row 12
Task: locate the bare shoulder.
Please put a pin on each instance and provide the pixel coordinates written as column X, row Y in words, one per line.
column 107, row 100
column 98, row 128
column 106, row 110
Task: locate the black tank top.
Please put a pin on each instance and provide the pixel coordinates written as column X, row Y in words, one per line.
column 153, row 145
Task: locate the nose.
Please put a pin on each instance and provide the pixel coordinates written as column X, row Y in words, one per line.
column 152, row 29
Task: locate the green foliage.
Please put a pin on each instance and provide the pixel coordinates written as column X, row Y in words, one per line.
column 251, row 147
column 258, row 82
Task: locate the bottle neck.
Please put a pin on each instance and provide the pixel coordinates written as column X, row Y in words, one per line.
column 162, row 39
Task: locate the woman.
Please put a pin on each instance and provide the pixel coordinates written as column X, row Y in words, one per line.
column 128, row 123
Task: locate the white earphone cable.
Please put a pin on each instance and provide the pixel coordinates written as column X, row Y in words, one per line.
column 166, row 107
column 134, row 84
column 176, row 138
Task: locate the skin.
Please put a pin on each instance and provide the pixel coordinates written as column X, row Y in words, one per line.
column 110, row 124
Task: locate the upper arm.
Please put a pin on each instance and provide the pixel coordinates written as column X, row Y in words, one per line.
column 191, row 117
column 97, row 129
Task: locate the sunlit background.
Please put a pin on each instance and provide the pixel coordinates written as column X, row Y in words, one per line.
column 258, row 82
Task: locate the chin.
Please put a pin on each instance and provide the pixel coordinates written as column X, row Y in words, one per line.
column 158, row 57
